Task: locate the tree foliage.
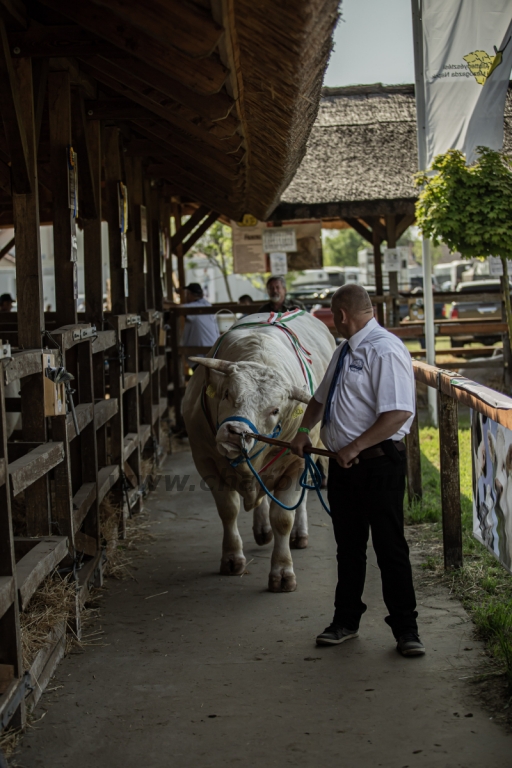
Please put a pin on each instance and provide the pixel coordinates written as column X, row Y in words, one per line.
column 341, row 249
column 468, row 208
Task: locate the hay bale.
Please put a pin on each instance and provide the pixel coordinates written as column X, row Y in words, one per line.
column 120, row 553
column 49, row 606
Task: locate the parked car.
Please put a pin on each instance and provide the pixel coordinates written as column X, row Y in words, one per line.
column 476, row 310
column 315, row 285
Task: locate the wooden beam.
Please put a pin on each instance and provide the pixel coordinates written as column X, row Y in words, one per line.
column 151, row 248
column 136, row 277
column 133, row 105
column 188, row 28
column 199, row 232
column 33, row 465
column 37, row 564
column 93, row 257
column 189, row 225
column 180, row 165
column 62, row 41
column 203, row 75
column 405, row 221
column 59, row 101
column 216, row 107
column 87, row 188
column 361, row 229
column 12, row 119
column 377, row 261
column 40, row 79
column 202, row 189
column 179, row 145
column 7, row 247
column 450, row 481
column 154, row 226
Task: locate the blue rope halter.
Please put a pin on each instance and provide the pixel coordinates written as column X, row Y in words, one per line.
column 244, row 456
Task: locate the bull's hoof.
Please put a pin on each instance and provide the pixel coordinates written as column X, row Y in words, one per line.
column 299, row 542
column 232, row 565
column 263, row 537
column 282, row 582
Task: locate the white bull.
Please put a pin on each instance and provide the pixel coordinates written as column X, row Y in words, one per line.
column 256, row 376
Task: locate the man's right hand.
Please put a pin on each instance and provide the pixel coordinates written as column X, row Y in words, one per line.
column 299, row 442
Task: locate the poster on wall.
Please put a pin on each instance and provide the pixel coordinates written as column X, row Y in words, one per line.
column 491, row 448
column 253, row 240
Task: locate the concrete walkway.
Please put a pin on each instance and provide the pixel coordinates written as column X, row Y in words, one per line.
column 218, row 672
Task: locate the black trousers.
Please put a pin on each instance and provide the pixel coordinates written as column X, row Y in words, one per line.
column 371, row 495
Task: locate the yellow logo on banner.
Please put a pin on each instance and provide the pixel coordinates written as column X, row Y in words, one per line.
column 247, row 221
column 481, row 65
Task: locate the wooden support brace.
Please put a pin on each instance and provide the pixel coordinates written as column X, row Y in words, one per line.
column 13, row 121
column 189, row 225
column 199, row 232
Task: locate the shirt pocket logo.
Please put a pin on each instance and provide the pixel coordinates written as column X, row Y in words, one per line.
column 356, row 366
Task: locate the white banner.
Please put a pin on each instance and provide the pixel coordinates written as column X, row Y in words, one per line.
column 467, row 52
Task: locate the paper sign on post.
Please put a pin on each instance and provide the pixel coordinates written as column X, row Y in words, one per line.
column 495, row 266
column 278, row 263
column 391, row 260
column 279, row 240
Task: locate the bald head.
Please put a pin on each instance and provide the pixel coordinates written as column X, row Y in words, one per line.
column 353, row 299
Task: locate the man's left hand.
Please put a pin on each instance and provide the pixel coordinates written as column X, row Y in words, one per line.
column 347, row 456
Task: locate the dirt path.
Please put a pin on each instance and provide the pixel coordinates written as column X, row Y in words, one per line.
column 218, row 672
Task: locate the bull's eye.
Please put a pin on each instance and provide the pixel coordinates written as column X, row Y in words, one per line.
column 275, row 411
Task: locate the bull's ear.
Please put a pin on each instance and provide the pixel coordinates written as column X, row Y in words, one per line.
column 220, row 366
column 296, row 393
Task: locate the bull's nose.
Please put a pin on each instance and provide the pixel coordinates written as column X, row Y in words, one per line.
column 235, row 429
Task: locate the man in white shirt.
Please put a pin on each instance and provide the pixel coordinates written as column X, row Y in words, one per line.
column 200, row 330
column 366, row 401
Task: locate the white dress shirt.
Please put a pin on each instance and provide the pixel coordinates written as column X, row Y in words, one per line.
column 200, row 330
column 376, row 377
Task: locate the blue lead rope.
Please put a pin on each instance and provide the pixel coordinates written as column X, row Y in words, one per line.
column 309, row 468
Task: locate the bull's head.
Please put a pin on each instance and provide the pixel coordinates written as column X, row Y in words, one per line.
column 252, row 391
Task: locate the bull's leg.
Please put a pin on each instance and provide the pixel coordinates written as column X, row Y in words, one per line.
column 282, row 577
column 299, row 534
column 228, row 504
column 261, row 524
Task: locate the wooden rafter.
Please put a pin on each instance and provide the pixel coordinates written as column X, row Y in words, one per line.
column 361, row 229
column 119, row 77
column 200, row 182
column 199, row 232
column 12, row 120
column 403, row 223
column 189, row 225
column 87, row 196
column 181, row 144
column 187, row 28
column 206, row 75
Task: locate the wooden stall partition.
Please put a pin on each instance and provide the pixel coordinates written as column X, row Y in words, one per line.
column 12, row 689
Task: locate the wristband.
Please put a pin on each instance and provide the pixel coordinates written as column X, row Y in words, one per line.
column 303, row 429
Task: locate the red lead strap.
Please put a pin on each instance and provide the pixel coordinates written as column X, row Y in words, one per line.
column 277, row 456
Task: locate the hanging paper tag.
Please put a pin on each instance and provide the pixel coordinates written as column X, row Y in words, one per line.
column 143, row 224
column 125, row 282
column 145, row 268
column 124, row 252
column 75, row 281
column 122, row 197
column 74, row 243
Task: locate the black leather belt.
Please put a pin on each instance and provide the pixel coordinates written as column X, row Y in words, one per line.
column 377, row 450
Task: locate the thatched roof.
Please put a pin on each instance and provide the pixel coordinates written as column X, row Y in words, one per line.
column 218, row 98
column 362, row 148
column 361, row 155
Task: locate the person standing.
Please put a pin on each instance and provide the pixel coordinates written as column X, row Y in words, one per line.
column 276, row 289
column 199, row 330
column 366, row 402
column 6, row 302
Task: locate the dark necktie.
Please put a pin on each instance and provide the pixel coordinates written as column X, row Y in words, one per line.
column 334, row 382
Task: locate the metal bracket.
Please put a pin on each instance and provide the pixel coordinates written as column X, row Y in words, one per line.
column 87, row 333
column 5, row 350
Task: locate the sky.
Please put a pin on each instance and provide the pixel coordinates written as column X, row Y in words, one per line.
column 372, row 44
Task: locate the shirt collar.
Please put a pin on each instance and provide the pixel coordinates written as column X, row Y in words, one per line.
column 361, row 335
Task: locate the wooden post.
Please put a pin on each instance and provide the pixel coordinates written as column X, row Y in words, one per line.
column 30, row 304
column 450, row 481
column 154, row 228
column 131, row 409
column 59, row 99
column 393, row 276
column 412, row 445
column 507, row 352
column 165, row 217
column 152, row 248
column 93, row 261
column 136, row 276
column 176, row 368
column 89, row 454
column 112, row 177
column 377, row 260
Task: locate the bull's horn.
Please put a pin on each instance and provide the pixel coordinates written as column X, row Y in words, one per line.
column 296, row 393
column 222, row 366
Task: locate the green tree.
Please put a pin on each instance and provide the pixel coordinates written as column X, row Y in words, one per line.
column 216, row 245
column 470, row 208
column 341, row 249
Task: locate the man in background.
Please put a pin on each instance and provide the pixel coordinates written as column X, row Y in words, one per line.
column 6, row 302
column 199, row 330
column 276, row 289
